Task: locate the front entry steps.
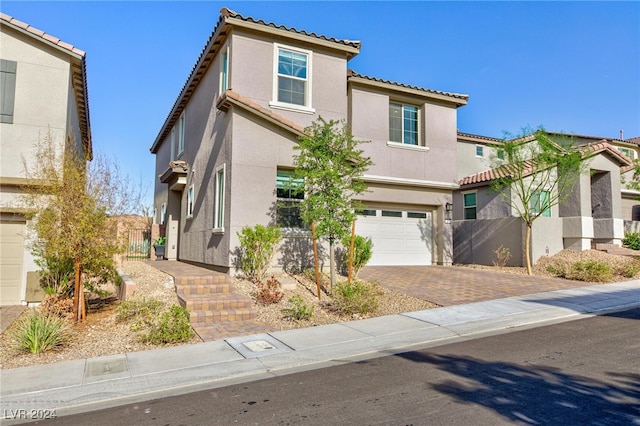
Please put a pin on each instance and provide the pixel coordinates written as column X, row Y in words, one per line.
column 215, row 311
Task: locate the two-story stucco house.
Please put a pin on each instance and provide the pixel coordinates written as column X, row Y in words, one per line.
column 593, row 213
column 225, row 150
column 43, row 94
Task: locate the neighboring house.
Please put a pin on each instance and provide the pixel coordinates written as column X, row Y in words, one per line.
column 225, row 152
column 44, row 92
column 592, row 214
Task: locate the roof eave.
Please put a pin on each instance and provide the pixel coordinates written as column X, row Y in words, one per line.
column 351, row 51
column 458, row 101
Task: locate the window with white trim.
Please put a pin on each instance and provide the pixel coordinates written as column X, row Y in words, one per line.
column 628, row 152
column 540, row 203
column 292, row 78
column 190, row 198
column 180, row 135
column 403, row 123
column 218, row 216
column 479, row 151
column 470, row 205
column 163, row 213
column 224, row 70
column 289, row 193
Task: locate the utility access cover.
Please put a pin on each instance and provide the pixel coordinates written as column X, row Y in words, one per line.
column 257, row 345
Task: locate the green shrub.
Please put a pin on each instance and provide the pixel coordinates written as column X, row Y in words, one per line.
column 40, row 331
column 362, row 251
column 138, row 309
column 630, row 270
column 172, row 326
column 298, row 309
column 269, row 292
column 557, row 270
column 631, row 240
column 56, row 275
column 357, row 297
column 257, row 246
column 591, row 271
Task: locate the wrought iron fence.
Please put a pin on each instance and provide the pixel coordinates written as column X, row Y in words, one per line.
column 139, row 244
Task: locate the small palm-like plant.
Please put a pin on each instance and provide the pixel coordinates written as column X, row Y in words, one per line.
column 40, row 331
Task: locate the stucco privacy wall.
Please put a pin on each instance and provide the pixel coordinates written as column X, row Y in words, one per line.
column 369, row 120
column 43, row 72
column 475, row 241
column 327, row 76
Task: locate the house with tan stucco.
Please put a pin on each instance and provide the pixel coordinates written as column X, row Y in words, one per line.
column 225, row 150
column 44, row 95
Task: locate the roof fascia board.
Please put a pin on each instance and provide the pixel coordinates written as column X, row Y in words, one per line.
column 407, row 90
column 350, row 50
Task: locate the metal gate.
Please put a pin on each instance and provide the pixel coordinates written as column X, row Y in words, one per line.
column 139, row 244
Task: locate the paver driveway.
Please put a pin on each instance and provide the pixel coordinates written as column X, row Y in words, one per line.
column 455, row 285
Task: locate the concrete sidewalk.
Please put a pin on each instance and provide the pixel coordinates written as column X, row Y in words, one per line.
column 86, row 385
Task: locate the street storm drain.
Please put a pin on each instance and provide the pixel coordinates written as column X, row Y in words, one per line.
column 257, row 345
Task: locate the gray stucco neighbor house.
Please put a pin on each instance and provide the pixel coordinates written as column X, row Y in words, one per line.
column 226, row 147
column 594, row 213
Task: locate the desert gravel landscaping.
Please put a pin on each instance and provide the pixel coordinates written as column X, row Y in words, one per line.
column 102, row 335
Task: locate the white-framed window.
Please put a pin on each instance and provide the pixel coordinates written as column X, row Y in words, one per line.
column 292, row 79
column 289, row 193
column 218, row 215
column 479, row 151
column 190, row 198
column 224, row 70
column 540, row 203
column 180, row 135
column 470, row 205
column 628, row 152
column 500, row 154
column 163, row 213
column 403, row 123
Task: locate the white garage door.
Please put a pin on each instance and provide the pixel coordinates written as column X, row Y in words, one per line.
column 400, row 237
column 11, row 256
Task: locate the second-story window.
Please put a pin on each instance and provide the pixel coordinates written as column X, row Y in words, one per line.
column 224, row 71
column 180, row 135
column 480, row 151
column 403, row 124
column 292, row 79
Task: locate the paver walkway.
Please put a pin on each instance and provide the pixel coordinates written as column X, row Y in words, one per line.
column 455, row 285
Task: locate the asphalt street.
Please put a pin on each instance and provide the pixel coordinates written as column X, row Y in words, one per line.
column 583, row 372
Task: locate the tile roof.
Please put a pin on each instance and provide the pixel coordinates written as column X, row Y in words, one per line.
column 230, row 13
column 354, row 74
column 478, row 138
column 79, row 73
column 635, row 141
column 214, row 42
column 41, row 34
column 231, row 97
column 506, row 170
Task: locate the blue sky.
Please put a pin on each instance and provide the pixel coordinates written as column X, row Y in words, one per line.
column 568, row 66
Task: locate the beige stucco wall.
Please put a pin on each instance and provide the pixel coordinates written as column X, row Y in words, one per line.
column 369, row 120
column 468, row 163
column 252, row 61
column 42, row 98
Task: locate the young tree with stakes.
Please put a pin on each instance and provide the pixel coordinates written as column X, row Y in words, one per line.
column 332, row 167
column 534, row 174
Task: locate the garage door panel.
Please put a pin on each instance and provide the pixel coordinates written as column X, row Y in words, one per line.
column 398, row 240
column 11, row 259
